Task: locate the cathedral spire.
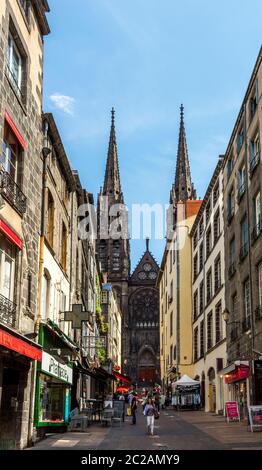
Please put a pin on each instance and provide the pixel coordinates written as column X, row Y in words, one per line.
column 183, row 188
column 112, row 185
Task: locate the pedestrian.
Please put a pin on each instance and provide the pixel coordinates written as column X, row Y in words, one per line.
column 157, row 402
column 162, row 401
column 134, row 408
column 149, row 413
column 121, row 397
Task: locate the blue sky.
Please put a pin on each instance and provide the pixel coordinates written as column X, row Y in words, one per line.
column 145, row 57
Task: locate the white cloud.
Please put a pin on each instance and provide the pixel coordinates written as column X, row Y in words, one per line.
column 63, row 102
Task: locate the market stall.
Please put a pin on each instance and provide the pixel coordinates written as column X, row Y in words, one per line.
column 186, row 394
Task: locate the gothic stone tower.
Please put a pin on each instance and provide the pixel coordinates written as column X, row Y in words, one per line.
column 113, row 249
column 143, row 323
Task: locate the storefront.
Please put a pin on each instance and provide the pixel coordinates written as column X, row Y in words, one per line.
column 17, row 359
column 54, row 381
column 258, row 381
column 236, row 377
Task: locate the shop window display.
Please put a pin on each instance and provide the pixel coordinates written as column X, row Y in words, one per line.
column 52, row 400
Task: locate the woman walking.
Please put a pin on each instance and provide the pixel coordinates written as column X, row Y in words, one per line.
column 149, row 412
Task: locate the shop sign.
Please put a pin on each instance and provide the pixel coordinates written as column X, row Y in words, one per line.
column 241, row 373
column 18, row 345
column 232, row 411
column 255, row 417
column 56, row 369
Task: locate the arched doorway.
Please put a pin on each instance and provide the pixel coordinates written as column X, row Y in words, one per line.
column 146, row 367
column 212, row 389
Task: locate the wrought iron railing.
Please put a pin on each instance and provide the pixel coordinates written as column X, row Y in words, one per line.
column 11, row 191
column 7, row 311
column 256, row 231
column 241, row 191
column 253, row 163
column 232, row 269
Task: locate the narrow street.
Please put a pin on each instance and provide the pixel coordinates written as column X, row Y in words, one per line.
column 173, row 431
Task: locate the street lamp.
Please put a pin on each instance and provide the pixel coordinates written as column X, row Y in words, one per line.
column 226, row 315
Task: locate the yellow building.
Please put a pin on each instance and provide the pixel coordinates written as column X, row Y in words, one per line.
column 175, row 277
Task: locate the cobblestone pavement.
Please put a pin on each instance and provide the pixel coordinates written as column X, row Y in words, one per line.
column 174, row 430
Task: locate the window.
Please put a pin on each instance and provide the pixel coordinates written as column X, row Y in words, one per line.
column 25, row 6
column 196, row 344
column 260, row 284
column 29, row 290
column 208, row 210
column 230, row 204
column 218, row 315
column 171, row 354
column 201, row 256
column 195, row 266
column 209, row 285
column 230, row 165
column 257, row 211
column 254, row 150
column 63, row 246
column 46, row 295
column 232, row 257
column 171, row 292
column 216, row 194
column 241, row 182
column 50, row 219
column 201, row 227
column 216, row 226
column 240, row 137
column 244, row 238
column 7, row 269
column 195, row 304
column 210, row 330
column 171, row 324
column 217, row 274
column 195, row 240
column 202, row 338
column 116, row 256
column 208, row 242
column 170, row 260
column 201, row 297
column 247, row 305
column 253, row 102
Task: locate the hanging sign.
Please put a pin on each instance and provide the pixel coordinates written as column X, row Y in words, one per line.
column 255, row 417
column 232, row 411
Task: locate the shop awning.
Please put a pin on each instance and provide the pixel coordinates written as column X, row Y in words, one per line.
column 14, row 341
column 123, row 378
column 102, row 374
column 237, row 371
column 55, row 328
column 233, row 366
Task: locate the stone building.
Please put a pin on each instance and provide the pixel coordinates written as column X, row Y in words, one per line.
column 208, row 294
column 23, row 25
column 136, row 293
column 243, row 247
column 174, row 280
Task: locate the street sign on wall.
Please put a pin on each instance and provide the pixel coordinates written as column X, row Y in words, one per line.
column 232, row 411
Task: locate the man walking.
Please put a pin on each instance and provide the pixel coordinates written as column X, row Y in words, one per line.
column 134, row 408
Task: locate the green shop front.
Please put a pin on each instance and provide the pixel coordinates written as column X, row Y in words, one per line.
column 54, row 381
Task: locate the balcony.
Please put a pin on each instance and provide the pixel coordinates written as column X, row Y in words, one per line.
column 11, row 191
column 246, row 324
column 7, row 311
column 254, row 163
column 232, row 269
column 256, row 231
column 241, row 191
column 243, row 252
column 258, row 312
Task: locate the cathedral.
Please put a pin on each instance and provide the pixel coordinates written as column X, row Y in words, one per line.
column 136, row 292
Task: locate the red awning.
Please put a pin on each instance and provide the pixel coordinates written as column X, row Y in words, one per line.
column 20, row 346
column 8, row 232
column 122, row 377
column 11, row 123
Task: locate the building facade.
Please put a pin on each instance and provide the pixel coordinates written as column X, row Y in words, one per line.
column 174, row 280
column 243, row 248
column 208, row 295
column 23, row 26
